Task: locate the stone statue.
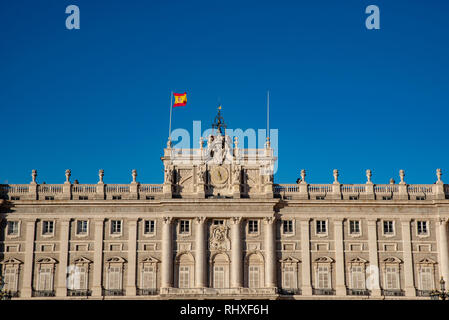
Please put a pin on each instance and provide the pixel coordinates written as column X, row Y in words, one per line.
column 236, row 174
column 336, row 176
column 101, row 175
column 68, row 173
column 201, row 173
column 168, row 175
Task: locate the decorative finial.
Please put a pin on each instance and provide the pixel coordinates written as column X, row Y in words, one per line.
column 268, row 144
column 68, row 173
column 368, row 176
column 392, row 181
column 439, row 174
column 101, row 175
column 33, row 176
column 402, row 175
column 336, row 176
column 134, row 174
column 219, row 123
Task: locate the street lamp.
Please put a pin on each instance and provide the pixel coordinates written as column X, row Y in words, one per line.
column 442, row 294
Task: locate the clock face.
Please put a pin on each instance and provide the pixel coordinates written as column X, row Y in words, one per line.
column 219, row 175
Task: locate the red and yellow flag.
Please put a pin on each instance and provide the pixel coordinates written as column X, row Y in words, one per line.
column 180, row 99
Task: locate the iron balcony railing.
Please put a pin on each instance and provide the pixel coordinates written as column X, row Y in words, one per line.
column 324, row 292
column 147, row 292
column 43, row 293
column 357, row 292
column 78, row 293
column 395, row 293
column 113, row 292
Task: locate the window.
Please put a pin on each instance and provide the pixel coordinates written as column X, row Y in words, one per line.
column 422, row 228
column 388, row 228
column 287, row 226
column 184, row 276
column 321, row 226
column 114, row 278
column 81, row 227
column 353, row 198
column 288, row 279
column 49, row 198
column 218, row 222
column 219, row 277
column 13, row 198
column 354, row 227
column 77, row 279
column 13, row 228
column 45, row 279
column 420, row 198
column 149, row 197
column 254, row 272
column 253, row 226
column 391, row 278
column 47, row 227
column 148, row 277
column 319, row 197
column 357, row 277
column 149, row 227
column 184, row 227
column 83, row 198
column 323, row 277
column 116, row 197
column 387, row 198
column 10, row 278
column 426, row 279
column 116, row 226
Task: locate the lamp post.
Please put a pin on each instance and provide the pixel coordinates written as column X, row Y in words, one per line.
column 441, row 294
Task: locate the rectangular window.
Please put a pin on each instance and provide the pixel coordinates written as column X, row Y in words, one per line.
column 287, row 226
column 81, row 227
column 77, row 279
column 14, row 198
column 391, row 278
column 354, row 227
column 83, row 198
column 426, row 279
column 357, row 277
column 387, row 198
column 116, row 197
column 13, row 228
column 353, row 198
column 184, row 226
column 253, row 226
column 184, row 277
column 254, row 272
column 114, row 278
column 323, row 277
column 149, row 197
column 148, row 278
column 218, row 222
column 45, row 281
column 10, row 279
column 116, row 226
column 422, row 228
column 149, row 227
column 49, row 198
column 321, row 226
column 289, row 278
column 47, row 227
column 219, row 276
column 319, row 197
column 420, row 198
column 388, row 227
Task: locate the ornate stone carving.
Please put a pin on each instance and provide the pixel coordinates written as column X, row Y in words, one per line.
column 200, row 174
column 219, row 238
column 168, row 175
column 236, row 174
column 236, row 220
column 167, row 220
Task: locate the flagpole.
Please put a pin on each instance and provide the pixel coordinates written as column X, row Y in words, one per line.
column 171, row 107
column 268, row 115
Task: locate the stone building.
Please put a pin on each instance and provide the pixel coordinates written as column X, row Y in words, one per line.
column 218, row 227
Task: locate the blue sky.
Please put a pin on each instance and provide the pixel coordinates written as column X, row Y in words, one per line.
column 342, row 96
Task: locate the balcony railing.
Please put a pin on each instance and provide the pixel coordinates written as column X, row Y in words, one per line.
column 147, row 292
column 324, row 292
column 290, row 291
column 357, row 292
column 43, row 293
column 395, row 293
column 423, row 293
column 113, row 292
column 78, row 293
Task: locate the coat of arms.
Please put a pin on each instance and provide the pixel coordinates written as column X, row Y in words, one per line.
column 219, row 238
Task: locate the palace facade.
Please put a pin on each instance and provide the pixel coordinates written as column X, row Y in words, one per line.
column 218, row 227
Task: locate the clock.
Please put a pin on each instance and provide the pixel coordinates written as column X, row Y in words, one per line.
column 219, row 175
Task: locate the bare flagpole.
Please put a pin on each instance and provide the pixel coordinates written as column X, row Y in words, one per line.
column 171, row 107
column 268, row 115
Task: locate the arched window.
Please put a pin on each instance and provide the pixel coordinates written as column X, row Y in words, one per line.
column 185, row 266
column 220, row 271
column 255, row 271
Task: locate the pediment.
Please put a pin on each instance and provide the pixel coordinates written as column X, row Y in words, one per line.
column 324, row 260
column 47, row 260
column 358, row 260
column 12, row 261
column 116, row 259
column 82, row 260
column 427, row 261
column 392, row 260
column 289, row 259
column 150, row 260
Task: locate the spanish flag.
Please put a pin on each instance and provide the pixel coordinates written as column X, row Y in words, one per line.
column 180, row 99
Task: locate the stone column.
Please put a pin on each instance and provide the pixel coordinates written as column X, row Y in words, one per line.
column 132, row 258
column 305, row 256
column 236, row 253
column 408, row 259
column 373, row 269
column 443, row 246
column 200, row 253
column 61, row 289
column 98, row 258
column 29, row 259
column 270, row 252
column 339, row 258
column 167, row 254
